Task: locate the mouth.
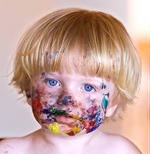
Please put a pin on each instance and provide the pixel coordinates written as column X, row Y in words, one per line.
column 68, row 119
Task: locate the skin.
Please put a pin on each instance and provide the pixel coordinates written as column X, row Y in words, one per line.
column 49, row 143
column 69, row 103
column 69, row 96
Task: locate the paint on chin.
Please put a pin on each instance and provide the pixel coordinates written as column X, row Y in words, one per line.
column 67, row 118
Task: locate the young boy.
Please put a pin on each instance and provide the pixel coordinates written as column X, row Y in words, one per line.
column 76, row 68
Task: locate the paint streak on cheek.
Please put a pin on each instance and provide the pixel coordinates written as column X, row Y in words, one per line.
column 36, row 107
column 43, row 98
column 40, row 98
column 40, row 89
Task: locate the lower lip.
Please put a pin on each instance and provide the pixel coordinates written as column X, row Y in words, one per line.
column 63, row 119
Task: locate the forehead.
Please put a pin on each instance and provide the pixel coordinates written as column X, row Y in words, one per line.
column 74, row 59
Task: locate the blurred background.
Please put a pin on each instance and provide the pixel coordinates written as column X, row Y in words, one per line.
column 16, row 118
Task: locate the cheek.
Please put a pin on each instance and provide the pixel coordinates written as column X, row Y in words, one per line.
column 96, row 98
column 44, row 93
column 100, row 99
column 40, row 98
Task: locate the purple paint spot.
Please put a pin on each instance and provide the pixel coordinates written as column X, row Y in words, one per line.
column 67, row 98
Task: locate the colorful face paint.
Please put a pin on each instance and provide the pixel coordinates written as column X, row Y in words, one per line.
column 82, row 109
column 105, row 101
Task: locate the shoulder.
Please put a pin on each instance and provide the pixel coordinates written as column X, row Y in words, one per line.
column 18, row 145
column 13, row 146
column 121, row 144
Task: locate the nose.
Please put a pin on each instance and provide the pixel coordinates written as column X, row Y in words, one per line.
column 67, row 94
column 64, row 100
column 67, row 98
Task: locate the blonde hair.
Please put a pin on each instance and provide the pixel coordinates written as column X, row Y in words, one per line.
column 105, row 46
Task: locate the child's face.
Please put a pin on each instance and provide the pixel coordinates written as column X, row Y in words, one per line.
column 69, row 103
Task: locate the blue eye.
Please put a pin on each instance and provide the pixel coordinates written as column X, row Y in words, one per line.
column 53, row 82
column 88, row 87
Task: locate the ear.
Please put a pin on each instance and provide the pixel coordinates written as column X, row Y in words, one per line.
column 29, row 101
column 28, row 97
column 110, row 110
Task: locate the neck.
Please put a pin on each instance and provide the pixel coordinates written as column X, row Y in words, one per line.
column 65, row 142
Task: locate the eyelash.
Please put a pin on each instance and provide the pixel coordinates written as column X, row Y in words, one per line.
column 52, row 82
column 88, row 86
